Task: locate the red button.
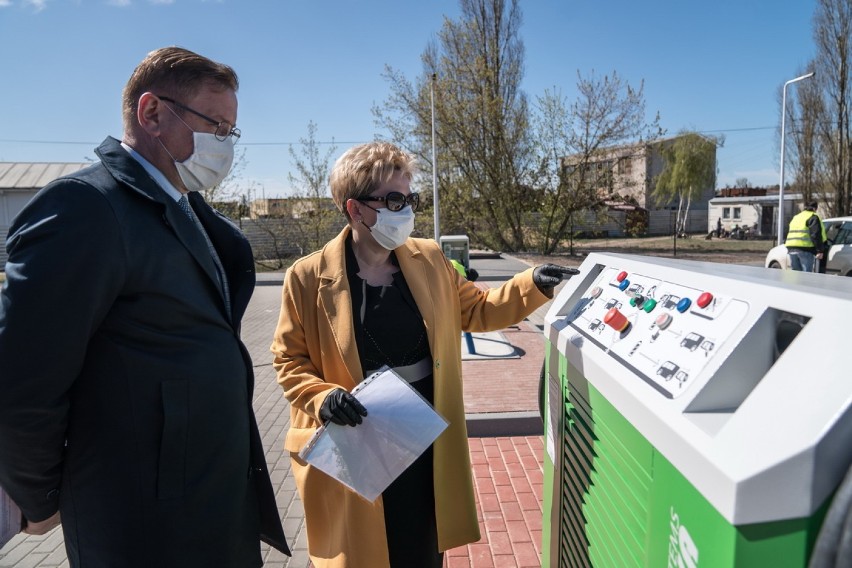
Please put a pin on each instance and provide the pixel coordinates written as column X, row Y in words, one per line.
column 621, row 276
column 704, row 299
column 663, row 320
column 615, row 319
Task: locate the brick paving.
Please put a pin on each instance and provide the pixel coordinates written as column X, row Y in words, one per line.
column 508, row 481
column 507, row 470
column 506, row 384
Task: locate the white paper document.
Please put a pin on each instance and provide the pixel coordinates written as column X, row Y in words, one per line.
column 399, row 426
column 10, row 518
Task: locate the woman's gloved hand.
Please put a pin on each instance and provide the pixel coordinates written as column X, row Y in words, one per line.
column 547, row 276
column 342, row 408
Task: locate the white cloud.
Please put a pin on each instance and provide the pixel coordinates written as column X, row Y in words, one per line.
column 5, row 3
column 38, row 5
column 119, row 3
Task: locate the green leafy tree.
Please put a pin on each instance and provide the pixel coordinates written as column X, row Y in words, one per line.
column 689, row 169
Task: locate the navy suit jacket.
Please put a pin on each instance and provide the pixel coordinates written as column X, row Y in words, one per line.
column 125, row 390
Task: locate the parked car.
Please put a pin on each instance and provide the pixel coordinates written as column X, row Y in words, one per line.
column 838, row 231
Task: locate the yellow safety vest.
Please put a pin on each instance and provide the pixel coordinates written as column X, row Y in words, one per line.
column 798, row 235
column 459, row 267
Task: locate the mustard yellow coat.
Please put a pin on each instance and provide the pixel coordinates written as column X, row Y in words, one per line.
column 315, row 352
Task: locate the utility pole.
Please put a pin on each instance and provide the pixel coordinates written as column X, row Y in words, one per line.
column 781, row 184
column 435, row 197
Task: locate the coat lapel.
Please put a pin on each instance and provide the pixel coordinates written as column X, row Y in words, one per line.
column 132, row 175
column 335, row 300
column 234, row 253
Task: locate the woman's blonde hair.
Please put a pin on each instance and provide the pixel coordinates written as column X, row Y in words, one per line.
column 361, row 169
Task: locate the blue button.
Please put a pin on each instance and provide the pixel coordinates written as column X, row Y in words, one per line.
column 623, row 285
column 683, row 305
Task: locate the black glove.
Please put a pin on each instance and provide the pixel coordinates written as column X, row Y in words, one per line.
column 472, row 274
column 547, row 276
column 342, row 408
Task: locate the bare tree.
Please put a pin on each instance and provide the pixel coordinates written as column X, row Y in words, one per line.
column 574, row 148
column 312, row 212
column 833, row 37
column 481, row 116
column 803, row 156
column 228, row 196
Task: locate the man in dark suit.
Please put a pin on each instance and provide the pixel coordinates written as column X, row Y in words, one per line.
column 125, row 390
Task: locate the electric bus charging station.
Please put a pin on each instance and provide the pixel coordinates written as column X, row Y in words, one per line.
column 456, row 247
column 696, row 414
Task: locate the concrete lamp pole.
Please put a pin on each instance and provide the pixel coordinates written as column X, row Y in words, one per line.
column 781, row 184
column 435, row 199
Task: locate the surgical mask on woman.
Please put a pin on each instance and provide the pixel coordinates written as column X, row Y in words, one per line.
column 392, row 228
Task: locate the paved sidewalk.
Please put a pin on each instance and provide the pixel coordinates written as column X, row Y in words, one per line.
column 500, row 395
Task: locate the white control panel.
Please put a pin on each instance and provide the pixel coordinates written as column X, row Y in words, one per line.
column 738, row 375
column 662, row 331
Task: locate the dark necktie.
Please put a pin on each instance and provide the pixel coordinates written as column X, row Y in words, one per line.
column 223, row 279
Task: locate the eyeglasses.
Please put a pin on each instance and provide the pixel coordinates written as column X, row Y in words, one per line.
column 395, row 200
column 224, row 130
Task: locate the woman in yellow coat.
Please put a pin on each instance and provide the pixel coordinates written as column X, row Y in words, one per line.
column 373, row 296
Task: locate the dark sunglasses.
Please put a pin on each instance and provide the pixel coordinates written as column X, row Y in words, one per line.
column 395, row 200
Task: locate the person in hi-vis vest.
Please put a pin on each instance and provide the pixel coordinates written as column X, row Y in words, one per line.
column 805, row 239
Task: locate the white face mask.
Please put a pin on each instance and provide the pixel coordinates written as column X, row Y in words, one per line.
column 209, row 163
column 392, row 228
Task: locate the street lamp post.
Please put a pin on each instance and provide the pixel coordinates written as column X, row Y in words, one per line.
column 781, row 184
column 435, row 165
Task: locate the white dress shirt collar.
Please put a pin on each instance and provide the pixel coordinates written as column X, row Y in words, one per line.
column 158, row 176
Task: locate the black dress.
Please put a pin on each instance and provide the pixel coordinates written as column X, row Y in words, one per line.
column 389, row 331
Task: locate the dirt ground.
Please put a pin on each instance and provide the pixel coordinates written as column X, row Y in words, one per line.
column 724, row 251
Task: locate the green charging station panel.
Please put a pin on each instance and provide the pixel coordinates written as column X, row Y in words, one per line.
column 688, row 422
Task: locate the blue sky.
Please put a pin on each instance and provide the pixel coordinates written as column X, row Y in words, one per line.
column 714, row 66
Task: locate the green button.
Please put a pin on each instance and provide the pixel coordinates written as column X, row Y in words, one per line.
column 650, row 304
